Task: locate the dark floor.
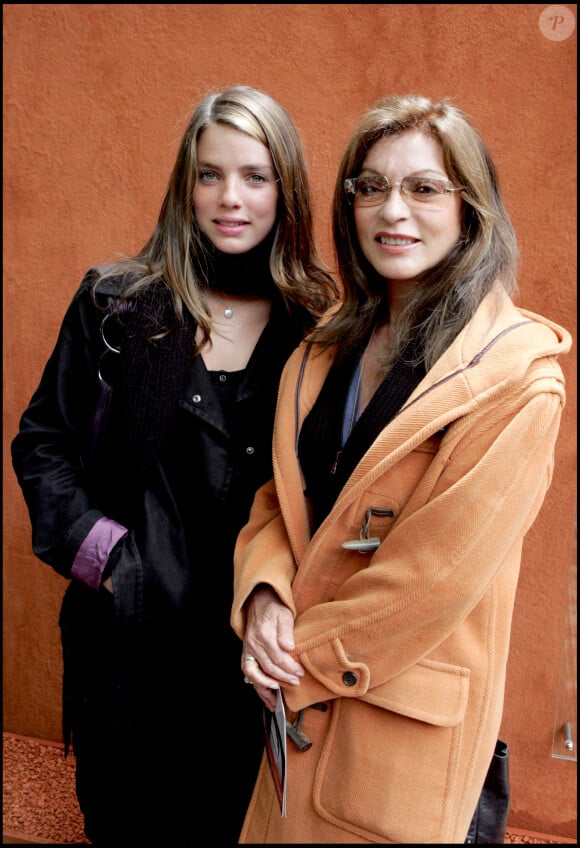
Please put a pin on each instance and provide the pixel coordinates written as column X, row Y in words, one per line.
column 40, row 806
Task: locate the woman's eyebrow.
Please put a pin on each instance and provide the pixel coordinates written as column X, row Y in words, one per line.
column 257, row 167
column 417, row 173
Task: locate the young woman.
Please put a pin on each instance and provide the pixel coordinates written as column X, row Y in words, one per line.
column 413, row 447
column 192, row 333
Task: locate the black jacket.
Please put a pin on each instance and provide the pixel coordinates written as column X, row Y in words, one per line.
column 197, row 497
column 132, row 661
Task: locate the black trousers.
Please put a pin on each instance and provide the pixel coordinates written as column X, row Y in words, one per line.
column 161, row 737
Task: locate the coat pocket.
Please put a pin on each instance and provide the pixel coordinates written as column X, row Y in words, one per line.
column 389, row 764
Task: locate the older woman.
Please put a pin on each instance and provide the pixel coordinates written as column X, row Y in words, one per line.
column 413, row 447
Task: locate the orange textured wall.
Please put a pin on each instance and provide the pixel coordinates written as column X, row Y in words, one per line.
column 95, row 100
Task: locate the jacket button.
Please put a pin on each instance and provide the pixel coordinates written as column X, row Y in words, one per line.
column 196, row 399
column 250, row 450
column 349, row 678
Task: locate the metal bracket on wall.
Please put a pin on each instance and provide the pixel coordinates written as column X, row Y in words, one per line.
column 565, row 720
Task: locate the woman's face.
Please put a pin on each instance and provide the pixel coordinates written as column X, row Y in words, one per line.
column 235, row 196
column 402, row 241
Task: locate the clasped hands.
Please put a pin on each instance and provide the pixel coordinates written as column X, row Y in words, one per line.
column 267, row 660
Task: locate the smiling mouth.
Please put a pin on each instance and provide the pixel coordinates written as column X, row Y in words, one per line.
column 395, row 241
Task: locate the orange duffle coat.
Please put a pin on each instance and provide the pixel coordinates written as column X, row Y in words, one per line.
column 405, row 648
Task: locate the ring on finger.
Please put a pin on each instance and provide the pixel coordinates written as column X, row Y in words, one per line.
column 247, row 680
column 249, row 658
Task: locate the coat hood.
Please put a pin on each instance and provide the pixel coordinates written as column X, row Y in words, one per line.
column 503, row 347
column 503, row 354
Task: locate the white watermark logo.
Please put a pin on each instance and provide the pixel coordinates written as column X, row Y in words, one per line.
column 557, row 23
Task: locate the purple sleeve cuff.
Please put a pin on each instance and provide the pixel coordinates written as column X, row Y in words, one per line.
column 93, row 554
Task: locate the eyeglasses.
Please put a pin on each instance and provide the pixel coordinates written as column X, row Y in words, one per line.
column 415, row 191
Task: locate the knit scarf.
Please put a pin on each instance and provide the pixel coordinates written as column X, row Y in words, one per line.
column 241, row 273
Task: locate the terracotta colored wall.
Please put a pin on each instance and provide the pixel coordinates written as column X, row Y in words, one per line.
column 95, row 99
